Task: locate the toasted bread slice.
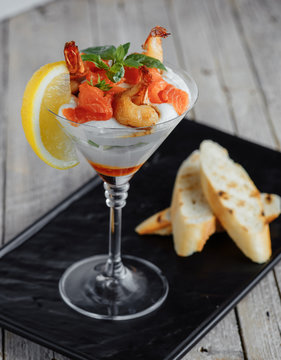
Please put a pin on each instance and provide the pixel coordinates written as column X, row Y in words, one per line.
column 235, row 201
column 271, row 205
column 193, row 221
column 166, row 231
column 155, row 223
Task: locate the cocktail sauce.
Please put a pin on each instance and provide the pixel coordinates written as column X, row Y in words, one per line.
column 113, row 171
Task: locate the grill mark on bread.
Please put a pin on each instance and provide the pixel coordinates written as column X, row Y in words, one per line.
column 255, row 193
column 262, row 213
column 159, row 218
column 232, row 184
column 223, row 195
column 191, row 187
column 268, row 198
column 231, row 211
column 241, row 203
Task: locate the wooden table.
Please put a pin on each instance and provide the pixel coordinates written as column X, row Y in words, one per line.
column 233, row 50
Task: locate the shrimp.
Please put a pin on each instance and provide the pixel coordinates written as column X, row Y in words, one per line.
column 75, row 65
column 131, row 106
column 153, row 44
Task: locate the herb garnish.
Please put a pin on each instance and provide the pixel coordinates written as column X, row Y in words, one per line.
column 118, row 57
column 90, row 142
column 101, row 84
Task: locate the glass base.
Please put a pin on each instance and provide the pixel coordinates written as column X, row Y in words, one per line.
column 86, row 289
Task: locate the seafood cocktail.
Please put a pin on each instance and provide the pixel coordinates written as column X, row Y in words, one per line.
column 117, row 109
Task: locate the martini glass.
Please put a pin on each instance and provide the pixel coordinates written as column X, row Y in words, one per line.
column 110, row 286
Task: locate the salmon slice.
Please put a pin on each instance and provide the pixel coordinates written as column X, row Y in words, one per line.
column 132, row 75
column 93, row 104
column 70, row 114
column 155, row 74
column 154, row 90
column 177, row 97
column 82, row 114
column 89, row 94
column 98, row 111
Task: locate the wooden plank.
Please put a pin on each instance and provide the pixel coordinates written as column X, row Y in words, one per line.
column 259, row 24
column 260, row 320
column 190, row 18
column 3, row 81
column 259, row 330
column 32, row 186
column 109, row 22
column 16, row 7
column 156, row 13
column 277, row 275
column 237, row 75
column 222, row 342
column 18, row 348
column 130, row 21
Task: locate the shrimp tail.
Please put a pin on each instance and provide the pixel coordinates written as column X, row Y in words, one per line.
column 73, row 60
column 153, row 44
column 159, row 31
column 74, row 65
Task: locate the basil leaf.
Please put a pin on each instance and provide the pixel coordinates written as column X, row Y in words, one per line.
column 116, row 72
column 106, row 52
column 96, row 59
column 131, row 63
column 148, row 61
column 126, row 48
column 120, row 53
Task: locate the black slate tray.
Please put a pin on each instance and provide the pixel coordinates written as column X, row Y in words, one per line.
column 203, row 287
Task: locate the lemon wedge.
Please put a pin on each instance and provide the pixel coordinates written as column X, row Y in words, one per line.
column 49, row 88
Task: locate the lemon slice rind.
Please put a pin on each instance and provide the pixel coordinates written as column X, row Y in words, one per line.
column 31, row 111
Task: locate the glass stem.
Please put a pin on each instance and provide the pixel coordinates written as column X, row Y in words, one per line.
column 116, row 196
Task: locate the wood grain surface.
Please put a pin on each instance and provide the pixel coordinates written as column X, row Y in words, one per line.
column 231, row 47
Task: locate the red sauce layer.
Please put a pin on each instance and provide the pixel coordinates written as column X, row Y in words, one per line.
column 113, row 171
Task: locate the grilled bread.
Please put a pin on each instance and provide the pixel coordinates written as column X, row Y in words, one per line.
column 235, row 201
column 154, row 224
column 159, row 224
column 193, row 221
